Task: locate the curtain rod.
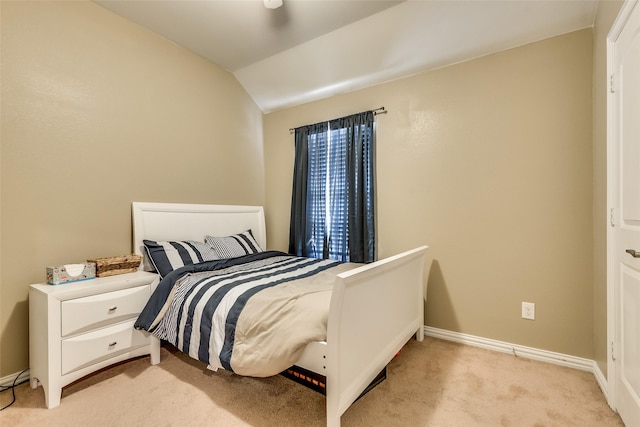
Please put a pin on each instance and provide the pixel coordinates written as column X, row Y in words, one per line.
column 376, row 111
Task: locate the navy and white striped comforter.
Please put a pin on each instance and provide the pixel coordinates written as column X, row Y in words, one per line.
column 252, row 315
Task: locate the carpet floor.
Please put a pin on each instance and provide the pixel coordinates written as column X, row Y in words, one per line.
column 431, row 383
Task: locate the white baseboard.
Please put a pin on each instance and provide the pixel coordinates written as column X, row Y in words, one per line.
column 522, row 351
column 9, row 379
column 602, row 380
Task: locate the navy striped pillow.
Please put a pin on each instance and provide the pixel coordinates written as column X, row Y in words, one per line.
column 234, row 246
column 169, row 255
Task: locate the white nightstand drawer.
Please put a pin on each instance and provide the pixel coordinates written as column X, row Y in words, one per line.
column 87, row 349
column 83, row 314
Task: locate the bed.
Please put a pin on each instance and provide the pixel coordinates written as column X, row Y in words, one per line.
column 373, row 309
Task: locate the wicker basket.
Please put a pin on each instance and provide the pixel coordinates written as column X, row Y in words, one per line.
column 111, row 266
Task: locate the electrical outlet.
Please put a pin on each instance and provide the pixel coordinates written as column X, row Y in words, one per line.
column 528, row 310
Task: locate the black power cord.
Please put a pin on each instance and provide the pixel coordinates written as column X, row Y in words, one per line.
column 12, row 387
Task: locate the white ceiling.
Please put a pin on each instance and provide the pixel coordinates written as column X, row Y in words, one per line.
column 312, row 49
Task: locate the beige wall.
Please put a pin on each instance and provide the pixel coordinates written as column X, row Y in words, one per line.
column 490, row 163
column 96, row 113
column 607, row 12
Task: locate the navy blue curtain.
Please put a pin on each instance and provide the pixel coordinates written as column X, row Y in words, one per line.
column 333, row 200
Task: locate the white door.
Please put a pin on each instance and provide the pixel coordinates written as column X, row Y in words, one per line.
column 626, row 133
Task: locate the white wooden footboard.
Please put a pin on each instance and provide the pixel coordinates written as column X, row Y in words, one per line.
column 375, row 309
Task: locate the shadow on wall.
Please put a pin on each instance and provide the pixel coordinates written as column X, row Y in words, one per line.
column 438, row 310
column 15, row 349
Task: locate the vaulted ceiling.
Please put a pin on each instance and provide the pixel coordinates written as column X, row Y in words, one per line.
column 311, row 49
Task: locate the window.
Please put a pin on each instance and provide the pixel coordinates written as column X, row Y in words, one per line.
column 332, row 212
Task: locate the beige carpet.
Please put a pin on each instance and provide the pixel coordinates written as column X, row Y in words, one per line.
column 432, row 383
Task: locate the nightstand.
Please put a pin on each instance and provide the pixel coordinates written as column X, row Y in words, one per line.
column 78, row 328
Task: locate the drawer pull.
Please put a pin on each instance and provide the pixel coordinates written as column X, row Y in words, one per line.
column 113, row 309
column 113, row 344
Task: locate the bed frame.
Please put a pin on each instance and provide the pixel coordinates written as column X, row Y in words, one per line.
column 374, row 309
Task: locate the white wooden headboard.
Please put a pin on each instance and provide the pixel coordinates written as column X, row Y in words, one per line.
column 177, row 221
